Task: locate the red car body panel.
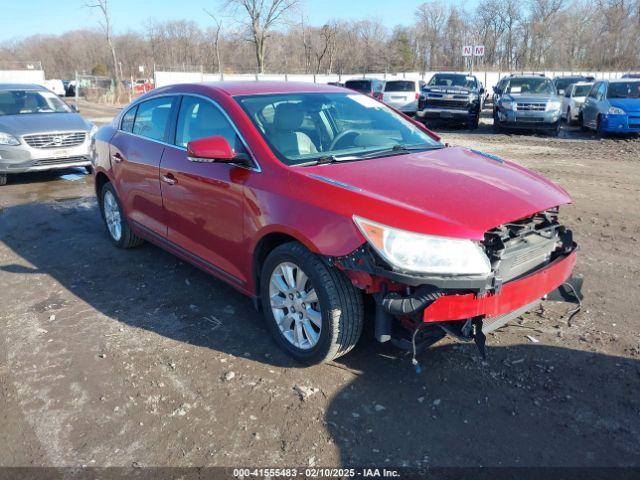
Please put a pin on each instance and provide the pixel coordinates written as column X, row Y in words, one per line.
column 216, row 215
column 512, row 295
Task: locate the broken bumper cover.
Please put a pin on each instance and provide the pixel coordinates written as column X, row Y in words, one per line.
column 512, row 296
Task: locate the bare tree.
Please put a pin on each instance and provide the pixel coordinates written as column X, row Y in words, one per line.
column 217, row 30
column 263, row 16
column 103, row 7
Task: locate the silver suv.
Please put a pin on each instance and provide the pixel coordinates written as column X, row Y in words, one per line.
column 527, row 102
column 38, row 131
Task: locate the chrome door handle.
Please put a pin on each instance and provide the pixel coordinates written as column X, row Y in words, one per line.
column 169, row 179
column 117, row 158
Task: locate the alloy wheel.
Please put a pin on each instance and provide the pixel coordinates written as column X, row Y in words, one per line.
column 295, row 305
column 112, row 215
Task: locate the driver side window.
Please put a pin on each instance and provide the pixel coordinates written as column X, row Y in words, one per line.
column 199, row 118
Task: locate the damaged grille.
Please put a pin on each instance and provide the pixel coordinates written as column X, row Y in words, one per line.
column 518, row 248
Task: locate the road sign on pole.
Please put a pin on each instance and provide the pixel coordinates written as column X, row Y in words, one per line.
column 467, row 50
column 478, row 51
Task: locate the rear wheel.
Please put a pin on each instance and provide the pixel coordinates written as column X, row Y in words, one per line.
column 3, row 179
column 117, row 226
column 599, row 130
column 583, row 127
column 313, row 311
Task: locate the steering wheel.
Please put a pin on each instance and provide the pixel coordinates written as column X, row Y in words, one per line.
column 342, row 136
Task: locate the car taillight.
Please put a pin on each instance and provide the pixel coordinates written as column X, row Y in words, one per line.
column 417, row 96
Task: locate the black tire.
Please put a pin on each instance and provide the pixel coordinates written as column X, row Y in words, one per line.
column 341, row 305
column 127, row 238
column 3, row 179
column 475, row 123
column 496, row 123
column 583, row 127
column 599, row 131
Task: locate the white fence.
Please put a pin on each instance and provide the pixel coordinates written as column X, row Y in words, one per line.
column 22, row 76
column 488, row 78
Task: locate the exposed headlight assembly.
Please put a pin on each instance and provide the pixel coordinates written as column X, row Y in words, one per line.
column 616, row 111
column 6, row 139
column 420, row 253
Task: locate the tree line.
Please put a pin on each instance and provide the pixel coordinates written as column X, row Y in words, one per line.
column 253, row 36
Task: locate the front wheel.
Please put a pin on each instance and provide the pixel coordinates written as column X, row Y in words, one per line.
column 583, row 126
column 475, row 123
column 313, row 311
column 599, row 131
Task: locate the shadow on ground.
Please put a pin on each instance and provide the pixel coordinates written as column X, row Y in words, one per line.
column 527, row 405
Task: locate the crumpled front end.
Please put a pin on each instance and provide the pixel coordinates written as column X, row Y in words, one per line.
column 530, row 258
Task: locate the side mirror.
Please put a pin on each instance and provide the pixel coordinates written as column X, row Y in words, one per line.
column 497, row 90
column 210, row 149
column 75, row 108
column 481, row 90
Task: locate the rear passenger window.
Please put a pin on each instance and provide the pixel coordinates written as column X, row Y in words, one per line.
column 199, row 118
column 127, row 119
column 152, row 118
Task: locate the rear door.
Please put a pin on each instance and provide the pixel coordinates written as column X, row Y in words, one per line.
column 136, row 150
column 204, row 202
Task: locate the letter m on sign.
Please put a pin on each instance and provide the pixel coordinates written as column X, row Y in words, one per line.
column 478, row 51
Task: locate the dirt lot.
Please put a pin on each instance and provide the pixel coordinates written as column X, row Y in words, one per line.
column 120, row 358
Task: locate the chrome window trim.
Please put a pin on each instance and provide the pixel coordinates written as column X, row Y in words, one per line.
column 255, row 168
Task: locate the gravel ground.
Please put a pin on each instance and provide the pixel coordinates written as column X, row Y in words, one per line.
column 120, row 358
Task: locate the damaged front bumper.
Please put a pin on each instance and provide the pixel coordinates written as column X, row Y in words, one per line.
column 530, row 260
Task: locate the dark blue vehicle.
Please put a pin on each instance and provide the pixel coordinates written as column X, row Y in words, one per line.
column 612, row 106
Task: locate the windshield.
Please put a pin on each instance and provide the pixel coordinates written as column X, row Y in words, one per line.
column 563, row 83
column 359, row 85
column 22, row 102
column 624, row 90
column 400, row 86
column 581, row 90
column 532, row 86
column 307, row 127
column 452, row 80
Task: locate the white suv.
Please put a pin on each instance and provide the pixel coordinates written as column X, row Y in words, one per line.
column 573, row 99
column 402, row 95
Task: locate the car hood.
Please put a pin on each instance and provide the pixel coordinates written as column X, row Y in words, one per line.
column 42, row 123
column 529, row 98
column 627, row 104
column 454, row 191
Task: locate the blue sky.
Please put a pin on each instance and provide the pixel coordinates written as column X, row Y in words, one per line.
column 21, row 18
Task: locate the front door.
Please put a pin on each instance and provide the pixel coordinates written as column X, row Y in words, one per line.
column 204, row 202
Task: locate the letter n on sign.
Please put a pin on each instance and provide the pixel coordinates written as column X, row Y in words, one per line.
column 467, row 50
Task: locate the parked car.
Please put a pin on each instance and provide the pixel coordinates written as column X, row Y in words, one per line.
column 142, row 85
column 452, row 97
column 403, row 95
column 563, row 82
column 573, row 100
column 526, row 102
column 631, row 75
column 312, row 199
column 368, row 86
column 56, row 86
column 612, row 106
column 38, row 131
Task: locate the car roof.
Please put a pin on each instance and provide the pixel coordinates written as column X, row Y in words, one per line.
column 233, row 88
column 21, row 86
column 582, row 84
column 624, row 80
